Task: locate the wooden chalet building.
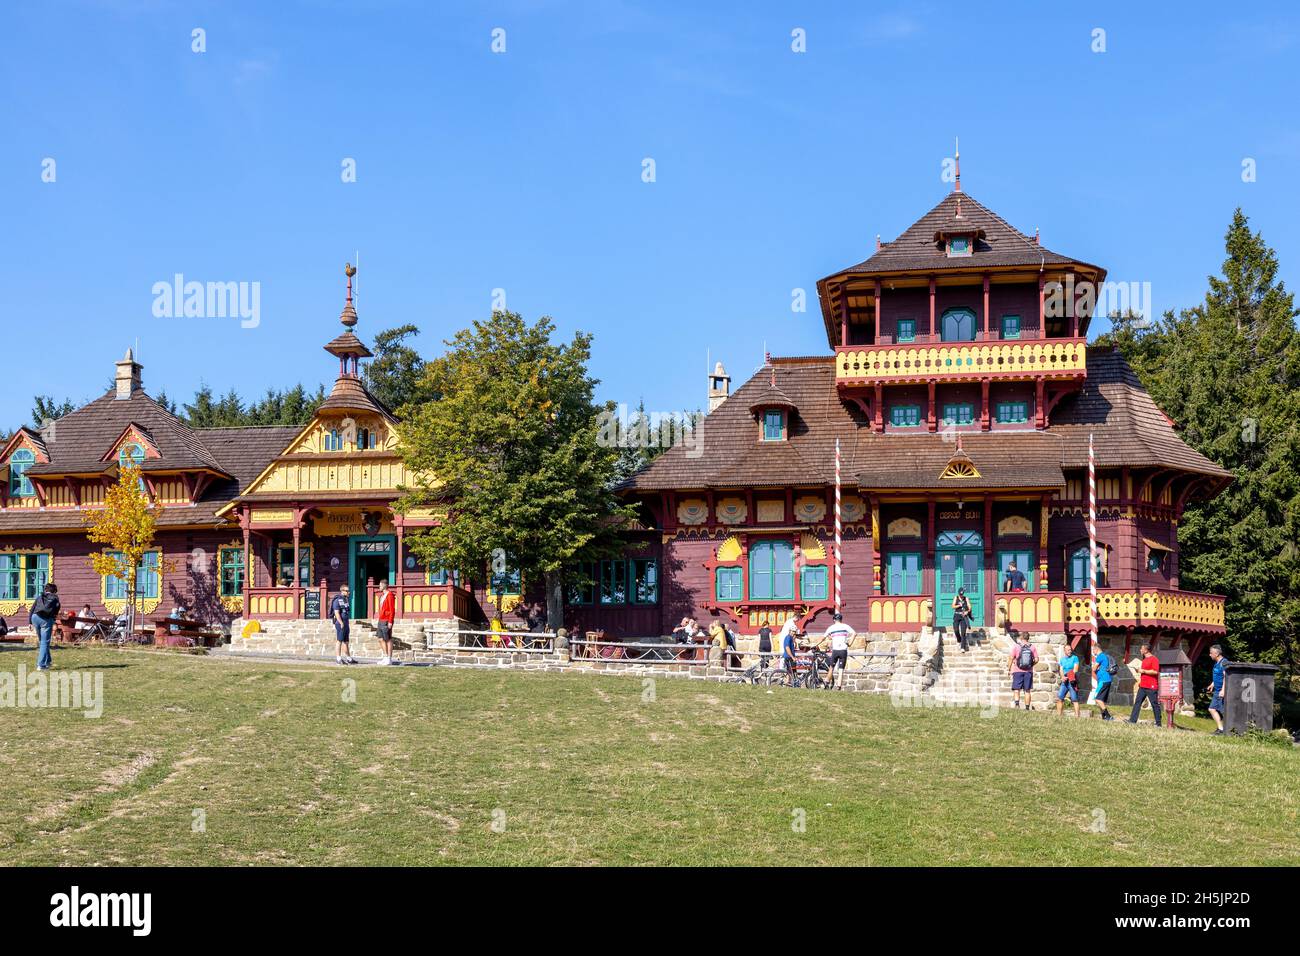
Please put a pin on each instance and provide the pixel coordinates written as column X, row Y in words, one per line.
column 253, row 522
column 962, row 392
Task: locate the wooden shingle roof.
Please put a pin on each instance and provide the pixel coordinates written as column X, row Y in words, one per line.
column 1000, row 244
column 1127, row 426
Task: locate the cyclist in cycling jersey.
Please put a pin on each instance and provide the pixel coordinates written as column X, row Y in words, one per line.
column 840, row 634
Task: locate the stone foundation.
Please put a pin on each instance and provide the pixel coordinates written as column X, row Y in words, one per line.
column 299, row 638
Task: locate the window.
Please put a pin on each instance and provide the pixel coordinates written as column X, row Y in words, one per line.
column 907, row 330
column 1024, row 564
column 146, row 579
column 959, row 413
column 958, row 325
column 284, row 565
column 231, row 561
column 773, row 425
column 1079, row 569
column 20, row 486
column 1011, row 326
column 645, row 581
column 613, row 582
column 959, row 246
column 771, row 571
column 23, row 575
column 582, row 583
column 813, row 582
column 1013, row 413
column 333, row 440
column 729, row 584
column 905, row 416
column 904, row 574
column 131, row 453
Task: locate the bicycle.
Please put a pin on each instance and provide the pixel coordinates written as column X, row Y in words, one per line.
column 818, row 675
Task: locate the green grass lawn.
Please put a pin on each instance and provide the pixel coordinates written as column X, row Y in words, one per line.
column 585, row 769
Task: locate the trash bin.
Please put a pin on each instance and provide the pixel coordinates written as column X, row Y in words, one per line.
column 1248, row 697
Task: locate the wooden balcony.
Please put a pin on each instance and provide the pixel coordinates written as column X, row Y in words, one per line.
column 1060, row 611
column 414, row 602
column 1062, row 359
column 1165, row 608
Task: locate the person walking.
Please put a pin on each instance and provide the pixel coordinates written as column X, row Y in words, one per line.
column 1024, row 657
column 384, row 625
column 840, row 635
column 1103, row 678
column 1217, row 709
column 45, row 611
column 1148, row 685
column 339, row 610
column 1069, row 681
column 961, row 614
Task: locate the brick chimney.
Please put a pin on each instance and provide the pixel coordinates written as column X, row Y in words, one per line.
column 719, row 386
column 127, row 379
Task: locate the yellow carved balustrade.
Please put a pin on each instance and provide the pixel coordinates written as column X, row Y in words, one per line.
column 1157, row 606
column 1053, row 358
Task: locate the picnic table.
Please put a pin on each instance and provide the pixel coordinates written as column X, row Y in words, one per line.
column 92, row 628
column 167, row 629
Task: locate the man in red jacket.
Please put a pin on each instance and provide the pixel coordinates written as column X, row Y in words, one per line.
column 387, row 611
column 1148, row 685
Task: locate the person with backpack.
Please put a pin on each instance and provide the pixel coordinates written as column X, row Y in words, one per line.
column 1024, row 656
column 961, row 615
column 1148, row 685
column 339, row 610
column 1069, row 681
column 1217, row 681
column 45, row 611
column 1103, row 678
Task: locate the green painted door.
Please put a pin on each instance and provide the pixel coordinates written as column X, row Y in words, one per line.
column 959, row 568
column 369, row 558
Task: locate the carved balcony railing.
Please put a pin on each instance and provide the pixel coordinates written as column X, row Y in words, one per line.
column 1007, row 360
column 1150, row 607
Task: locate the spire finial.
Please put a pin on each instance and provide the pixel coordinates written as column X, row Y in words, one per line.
column 349, row 316
column 956, row 186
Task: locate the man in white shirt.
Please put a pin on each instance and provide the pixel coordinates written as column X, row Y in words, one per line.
column 840, row 634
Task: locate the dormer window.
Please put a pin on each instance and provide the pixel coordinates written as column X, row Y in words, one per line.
column 959, row 246
column 20, row 486
column 131, row 454
column 774, row 424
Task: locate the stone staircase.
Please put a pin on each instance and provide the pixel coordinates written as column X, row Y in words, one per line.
column 980, row 678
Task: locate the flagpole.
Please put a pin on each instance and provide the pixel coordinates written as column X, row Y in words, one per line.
column 838, row 558
column 1092, row 538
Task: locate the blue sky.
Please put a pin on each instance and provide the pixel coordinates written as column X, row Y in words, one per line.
column 522, row 170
